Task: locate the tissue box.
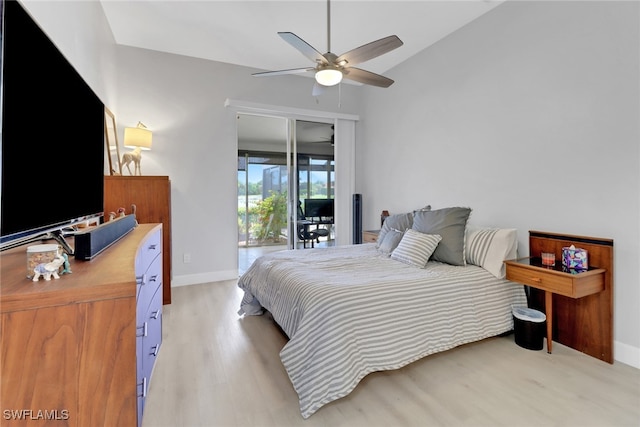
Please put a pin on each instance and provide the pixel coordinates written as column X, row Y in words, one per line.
column 574, row 258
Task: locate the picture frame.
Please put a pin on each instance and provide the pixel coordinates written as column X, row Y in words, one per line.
column 111, row 141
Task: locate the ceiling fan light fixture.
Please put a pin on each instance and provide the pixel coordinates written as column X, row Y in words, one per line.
column 328, row 76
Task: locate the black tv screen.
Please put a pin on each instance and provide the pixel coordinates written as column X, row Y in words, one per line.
column 52, row 133
column 318, row 208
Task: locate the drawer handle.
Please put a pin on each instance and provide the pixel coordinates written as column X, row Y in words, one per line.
column 155, row 314
column 154, row 350
column 143, row 384
column 536, row 279
column 144, row 330
column 141, row 280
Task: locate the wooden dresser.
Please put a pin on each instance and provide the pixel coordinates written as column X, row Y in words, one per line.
column 79, row 350
column 152, row 197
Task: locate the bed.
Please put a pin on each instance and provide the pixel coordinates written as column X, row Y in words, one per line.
column 355, row 309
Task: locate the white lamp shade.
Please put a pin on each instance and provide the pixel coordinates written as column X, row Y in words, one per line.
column 329, row 77
column 137, row 138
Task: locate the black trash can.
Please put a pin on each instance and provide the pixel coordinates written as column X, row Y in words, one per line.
column 529, row 327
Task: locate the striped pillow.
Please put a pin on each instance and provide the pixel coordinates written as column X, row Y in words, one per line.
column 490, row 247
column 415, row 248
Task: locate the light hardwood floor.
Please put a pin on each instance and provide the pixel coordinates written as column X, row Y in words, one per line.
column 216, row 368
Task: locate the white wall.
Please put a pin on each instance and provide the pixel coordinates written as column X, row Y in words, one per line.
column 81, row 32
column 194, row 142
column 530, row 116
column 530, row 90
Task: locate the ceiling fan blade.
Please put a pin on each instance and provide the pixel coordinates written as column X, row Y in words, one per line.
column 283, row 72
column 304, row 47
column 370, row 51
column 366, row 77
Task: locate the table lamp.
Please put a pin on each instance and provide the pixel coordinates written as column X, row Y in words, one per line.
column 138, row 138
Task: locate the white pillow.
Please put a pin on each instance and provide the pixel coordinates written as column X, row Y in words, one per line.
column 415, row 248
column 490, row 247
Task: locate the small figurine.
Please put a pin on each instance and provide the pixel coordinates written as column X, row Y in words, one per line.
column 48, row 269
column 133, row 157
column 121, row 212
column 112, row 216
column 66, row 266
column 133, row 212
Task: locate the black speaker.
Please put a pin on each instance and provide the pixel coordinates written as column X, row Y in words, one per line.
column 95, row 240
column 357, row 219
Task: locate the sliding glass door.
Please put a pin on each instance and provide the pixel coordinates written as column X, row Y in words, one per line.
column 270, row 151
column 262, row 198
column 264, row 147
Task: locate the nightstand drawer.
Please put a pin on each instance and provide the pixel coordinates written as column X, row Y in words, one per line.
column 570, row 285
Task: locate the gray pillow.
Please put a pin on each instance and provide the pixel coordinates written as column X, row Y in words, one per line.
column 426, row 208
column 390, row 241
column 401, row 222
column 450, row 223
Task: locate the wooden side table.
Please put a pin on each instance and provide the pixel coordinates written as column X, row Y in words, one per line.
column 553, row 280
column 370, row 236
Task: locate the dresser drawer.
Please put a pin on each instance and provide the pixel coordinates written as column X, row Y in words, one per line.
column 151, row 342
column 148, row 340
column 148, row 284
column 149, row 250
column 570, row 285
column 141, row 381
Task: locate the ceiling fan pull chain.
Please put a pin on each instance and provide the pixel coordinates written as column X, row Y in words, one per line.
column 328, row 26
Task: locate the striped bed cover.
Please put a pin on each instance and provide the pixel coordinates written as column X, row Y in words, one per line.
column 349, row 311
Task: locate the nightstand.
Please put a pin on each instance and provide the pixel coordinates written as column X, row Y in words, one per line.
column 553, row 280
column 370, row 236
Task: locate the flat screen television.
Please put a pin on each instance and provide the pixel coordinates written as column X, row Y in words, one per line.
column 52, row 135
column 318, row 208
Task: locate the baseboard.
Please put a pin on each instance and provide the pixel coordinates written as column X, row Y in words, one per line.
column 626, row 354
column 91, row 242
column 196, row 279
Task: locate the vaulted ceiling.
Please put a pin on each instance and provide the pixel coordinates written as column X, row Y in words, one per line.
column 244, row 33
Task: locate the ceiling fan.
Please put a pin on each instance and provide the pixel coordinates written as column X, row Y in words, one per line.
column 328, row 139
column 330, row 69
column 315, row 132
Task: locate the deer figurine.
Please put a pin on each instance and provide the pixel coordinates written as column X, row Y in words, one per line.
column 133, row 156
